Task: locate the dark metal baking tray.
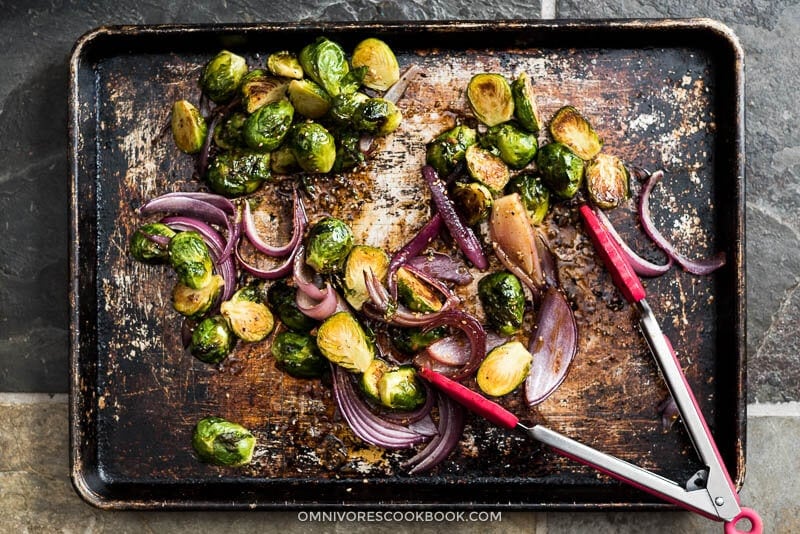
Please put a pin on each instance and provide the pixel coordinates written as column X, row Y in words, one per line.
column 662, row 93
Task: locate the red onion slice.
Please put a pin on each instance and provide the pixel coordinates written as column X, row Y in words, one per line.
column 299, row 222
column 443, row 267
column 415, row 416
column 451, row 428
column 268, row 274
column 418, row 243
column 212, row 198
column 382, row 308
column 454, row 351
column 302, row 276
column 547, row 260
column 322, row 309
column 474, row 331
column 641, row 266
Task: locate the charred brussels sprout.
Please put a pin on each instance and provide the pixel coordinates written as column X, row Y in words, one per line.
column 503, row 301
column 514, row 146
column 448, row 148
column 504, row 369
column 212, row 340
column 188, row 127
column 247, row 315
column 228, row 133
column 415, row 294
column 362, row 258
column 328, row 243
column 313, row 147
column 381, row 63
column 473, row 200
column 410, row 341
column 259, row 89
column 145, row 249
column 309, row 99
column 324, row 62
column 222, row 76
column 344, row 107
column 487, row 168
column 238, row 173
column 285, row 64
column 561, row 169
column 572, row 129
column 348, row 153
column 489, row 96
column 400, row 389
column 377, row 116
column 525, row 109
column 297, row 355
column 607, row 180
column 281, row 299
column 265, row 129
column 534, row 195
column 370, row 378
column 342, row 340
column 220, row 442
column 189, row 256
column 194, row 303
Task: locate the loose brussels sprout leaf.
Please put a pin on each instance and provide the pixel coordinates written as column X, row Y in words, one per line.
column 265, row 129
column 309, row 99
column 324, row 62
column 448, row 148
column 146, row 250
column 369, row 380
column 362, row 258
column 534, row 195
column 328, row 243
column 250, row 321
column 238, row 173
column 343, row 341
column 377, row 116
column 489, row 96
column 561, row 169
column 525, row 109
column 514, row 146
column 503, row 301
column 259, row 89
column 504, row 369
column 353, row 80
column 410, row 341
column 473, row 201
column 222, row 76
column 228, row 133
column 313, row 147
column 220, row 442
column 281, row 299
column 382, row 67
column 285, row 64
column 188, row 127
column 212, row 340
column 297, row 355
column 569, row 127
column 189, row 256
column 344, row 107
column 193, row 303
column 607, row 180
column 282, row 160
column 348, row 152
column 415, row 294
column 487, row 168
column 400, row 389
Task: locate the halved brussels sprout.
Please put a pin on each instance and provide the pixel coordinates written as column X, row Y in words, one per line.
column 259, row 89
column 282, row 160
column 534, row 195
column 410, row 341
column 328, row 243
column 247, row 315
column 189, row 256
column 381, row 63
column 569, row 127
column 238, row 173
column 344, row 107
column 415, row 294
column 489, row 96
column 361, row 259
column 607, row 180
column 504, row 369
column 193, row 303
column 348, row 152
column 370, row 378
column 561, row 169
column 514, row 146
column 228, row 133
column 525, row 109
column 212, row 340
column 503, row 301
column 265, row 129
column 313, row 147
column 448, row 148
column 281, row 299
column 400, row 389
column 188, row 127
column 342, row 340
column 473, row 201
column 309, row 99
column 220, row 442
column 222, row 76
column 297, row 355
column 487, row 168
column 324, row 62
column 377, row 116
column 146, row 250
column 285, row 64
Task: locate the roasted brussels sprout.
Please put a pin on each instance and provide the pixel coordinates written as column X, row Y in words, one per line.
column 189, row 256
column 265, row 129
column 259, row 89
column 222, row 76
column 561, row 169
column 212, row 340
column 504, row 369
column 313, row 147
column 487, row 168
column 228, row 133
column 282, row 160
column 489, row 96
column 569, row 127
column 534, row 195
column 146, row 250
column 377, row 116
column 238, row 173
column 342, row 340
column 297, row 355
column 344, row 107
column 415, row 294
column 361, row 259
column 448, row 148
column 473, row 201
column 324, row 62
column 525, row 109
column 220, row 442
column 281, row 299
column 381, row 63
column 193, row 303
column 370, row 378
column 352, row 81
column 247, row 315
column 400, row 389
column 188, row 127
column 285, row 64
column 410, row 341
column 309, row 99
column 348, row 152
column 514, row 146
column 607, row 181
column 503, row 301
column 328, row 243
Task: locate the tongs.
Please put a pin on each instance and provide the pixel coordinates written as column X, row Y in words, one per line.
column 709, row 492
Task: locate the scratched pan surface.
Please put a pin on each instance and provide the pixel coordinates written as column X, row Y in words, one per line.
column 661, row 94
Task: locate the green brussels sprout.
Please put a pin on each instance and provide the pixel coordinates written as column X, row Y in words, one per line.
column 377, row 116
column 285, row 64
column 313, row 147
column 228, row 134
column 297, row 355
column 342, row 340
column 344, row 106
column 328, row 243
column 265, row 129
column 503, row 301
column 238, row 173
column 514, row 146
column 309, row 99
column 607, row 181
column 415, row 294
column 569, row 127
column 348, row 152
column 324, row 62
column 534, row 195
column 473, row 201
column 249, row 318
column 487, row 168
column 561, row 169
column 281, row 299
column 222, row 76
column 525, row 109
column 490, row 99
column 220, row 442
column 352, row 81
column 194, row 303
column 146, row 250
column 504, row 369
column 448, row 148
column 369, row 379
column 361, row 259
column 189, row 256
column 212, row 340
column 259, row 89
column 381, row 64
column 282, row 160
column 410, row 341
column 400, row 389
column 189, row 128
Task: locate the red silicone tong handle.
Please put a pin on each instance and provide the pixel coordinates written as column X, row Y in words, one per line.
column 616, row 263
